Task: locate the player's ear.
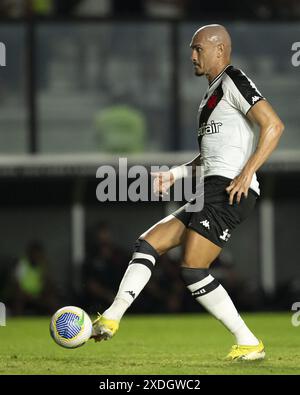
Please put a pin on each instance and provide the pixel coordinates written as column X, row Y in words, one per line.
column 220, row 49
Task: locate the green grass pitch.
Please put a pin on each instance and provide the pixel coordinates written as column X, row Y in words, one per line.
column 170, row 344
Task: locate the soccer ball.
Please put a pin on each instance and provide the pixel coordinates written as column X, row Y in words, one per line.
column 71, row 327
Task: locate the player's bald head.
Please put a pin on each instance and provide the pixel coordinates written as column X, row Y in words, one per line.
column 211, row 49
column 214, row 35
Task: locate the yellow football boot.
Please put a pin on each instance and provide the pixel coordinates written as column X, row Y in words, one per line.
column 103, row 328
column 246, row 353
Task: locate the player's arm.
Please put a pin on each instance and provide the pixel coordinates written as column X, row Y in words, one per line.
column 165, row 179
column 183, row 170
column 271, row 128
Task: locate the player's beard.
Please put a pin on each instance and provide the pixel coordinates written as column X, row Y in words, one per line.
column 198, row 72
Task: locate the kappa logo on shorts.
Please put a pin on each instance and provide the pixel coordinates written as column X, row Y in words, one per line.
column 225, row 236
column 205, row 223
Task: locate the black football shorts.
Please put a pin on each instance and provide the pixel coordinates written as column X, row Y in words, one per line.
column 217, row 218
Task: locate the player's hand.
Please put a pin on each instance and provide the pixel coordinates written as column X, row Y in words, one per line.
column 162, row 182
column 239, row 186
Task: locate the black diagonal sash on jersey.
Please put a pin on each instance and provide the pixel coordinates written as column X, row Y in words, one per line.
column 208, row 109
column 246, row 87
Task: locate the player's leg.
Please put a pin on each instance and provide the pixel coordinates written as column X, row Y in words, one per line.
column 161, row 237
column 199, row 253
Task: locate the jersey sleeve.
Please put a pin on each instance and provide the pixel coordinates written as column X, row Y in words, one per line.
column 241, row 91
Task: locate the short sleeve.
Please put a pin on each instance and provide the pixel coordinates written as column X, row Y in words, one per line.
column 241, row 91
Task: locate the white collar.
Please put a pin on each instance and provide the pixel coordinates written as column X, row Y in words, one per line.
column 218, row 76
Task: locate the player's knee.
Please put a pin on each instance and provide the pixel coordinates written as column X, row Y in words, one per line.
column 143, row 246
column 193, row 275
column 144, row 254
column 158, row 245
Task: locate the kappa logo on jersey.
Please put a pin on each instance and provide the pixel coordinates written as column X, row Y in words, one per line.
column 209, row 128
column 255, row 99
column 225, row 236
column 205, row 224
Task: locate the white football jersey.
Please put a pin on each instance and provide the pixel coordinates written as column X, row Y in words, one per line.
column 225, row 135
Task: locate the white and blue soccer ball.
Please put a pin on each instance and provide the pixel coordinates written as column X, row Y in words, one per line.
column 71, row 327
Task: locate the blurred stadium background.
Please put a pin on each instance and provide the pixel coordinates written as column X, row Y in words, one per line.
column 89, row 81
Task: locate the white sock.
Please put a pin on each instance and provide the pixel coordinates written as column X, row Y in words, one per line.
column 214, row 298
column 134, row 280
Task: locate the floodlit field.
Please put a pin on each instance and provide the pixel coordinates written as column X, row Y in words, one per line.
column 181, row 344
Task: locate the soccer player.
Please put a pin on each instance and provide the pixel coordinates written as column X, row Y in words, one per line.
column 228, row 113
